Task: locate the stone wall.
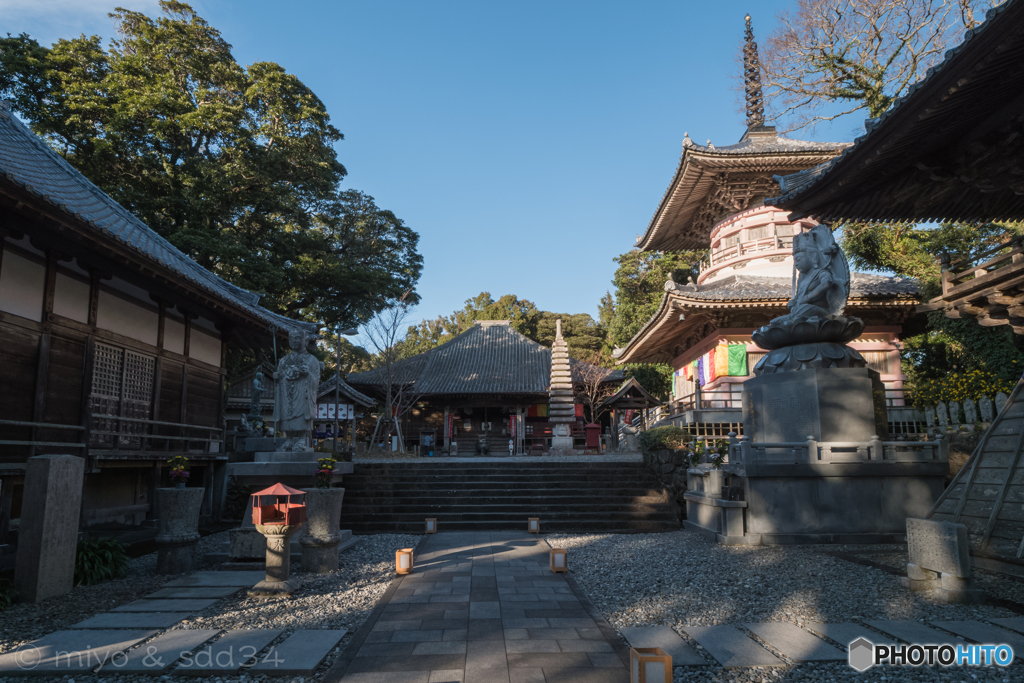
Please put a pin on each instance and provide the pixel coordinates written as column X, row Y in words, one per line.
column 669, row 467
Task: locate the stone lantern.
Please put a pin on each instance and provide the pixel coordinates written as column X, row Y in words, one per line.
column 278, row 512
column 178, row 519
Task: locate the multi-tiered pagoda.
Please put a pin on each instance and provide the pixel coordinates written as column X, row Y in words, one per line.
column 716, row 201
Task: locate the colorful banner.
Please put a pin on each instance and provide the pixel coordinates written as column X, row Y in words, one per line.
column 513, row 422
column 579, row 409
column 701, row 377
column 722, row 360
column 738, row 360
column 709, row 363
column 450, row 426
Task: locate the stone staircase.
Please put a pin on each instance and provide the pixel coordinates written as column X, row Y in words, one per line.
column 617, row 497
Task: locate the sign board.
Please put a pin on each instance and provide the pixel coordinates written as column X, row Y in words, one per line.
column 938, row 546
column 321, row 411
column 327, row 411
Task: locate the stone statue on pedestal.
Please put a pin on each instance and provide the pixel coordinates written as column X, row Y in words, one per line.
column 296, row 382
column 259, row 386
column 815, row 332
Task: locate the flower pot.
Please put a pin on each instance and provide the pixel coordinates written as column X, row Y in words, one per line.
column 180, row 485
column 323, row 522
column 178, row 518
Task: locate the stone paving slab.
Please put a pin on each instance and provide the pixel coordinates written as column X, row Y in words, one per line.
column 68, row 652
column 682, row 653
column 796, row 643
column 194, row 592
column 227, row 654
column 985, row 634
column 213, row 578
column 847, row 632
column 731, row 647
column 1013, row 623
column 133, row 620
column 300, row 654
column 169, row 605
column 161, row 653
column 914, row 632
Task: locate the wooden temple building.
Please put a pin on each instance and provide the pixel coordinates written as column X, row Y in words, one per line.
column 489, row 384
column 112, row 341
column 952, row 149
column 702, row 328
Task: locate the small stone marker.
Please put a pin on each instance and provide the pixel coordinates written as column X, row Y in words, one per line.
column 954, row 413
column 45, row 564
column 939, row 558
column 847, row 632
column 980, row 632
column 194, row 592
column 943, row 415
column 985, row 406
column 161, row 653
column 681, row 652
column 970, row 412
column 227, row 654
column 731, row 647
column 929, row 416
column 133, row 620
column 910, row 631
column 1001, row 400
column 181, row 605
column 299, row 654
column 796, row 643
column 50, row 654
column 246, row 578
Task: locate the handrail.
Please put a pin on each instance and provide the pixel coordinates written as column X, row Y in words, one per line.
column 41, row 425
column 102, row 416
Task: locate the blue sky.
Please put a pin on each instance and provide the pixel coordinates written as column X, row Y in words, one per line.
column 527, row 143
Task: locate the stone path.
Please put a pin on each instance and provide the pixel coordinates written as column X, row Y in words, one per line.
column 484, row 608
column 132, row 638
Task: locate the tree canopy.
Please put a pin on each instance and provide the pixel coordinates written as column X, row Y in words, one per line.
column 234, row 165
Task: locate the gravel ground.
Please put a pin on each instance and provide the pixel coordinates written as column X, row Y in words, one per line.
column 342, row 599
column 681, row 579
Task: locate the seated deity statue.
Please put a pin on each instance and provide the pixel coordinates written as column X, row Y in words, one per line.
column 295, row 387
column 823, row 285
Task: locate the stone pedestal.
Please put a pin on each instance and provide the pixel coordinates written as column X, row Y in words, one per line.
column 828, row 404
column 323, row 522
column 178, row 517
column 278, row 582
column 561, row 440
column 48, row 536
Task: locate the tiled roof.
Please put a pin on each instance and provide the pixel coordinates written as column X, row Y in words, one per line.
column 346, row 390
column 27, row 162
column 488, row 358
column 935, row 112
column 766, row 144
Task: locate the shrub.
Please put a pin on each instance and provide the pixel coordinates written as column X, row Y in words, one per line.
column 664, row 438
column 7, row 593
column 100, row 559
column 958, row 386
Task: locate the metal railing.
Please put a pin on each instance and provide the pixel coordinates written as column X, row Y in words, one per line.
column 836, row 452
column 33, row 442
column 139, row 437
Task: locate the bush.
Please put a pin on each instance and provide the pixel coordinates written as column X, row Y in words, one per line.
column 100, row 559
column 664, row 438
column 7, row 593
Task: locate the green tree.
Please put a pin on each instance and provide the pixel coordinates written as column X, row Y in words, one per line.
column 639, row 286
column 235, row 166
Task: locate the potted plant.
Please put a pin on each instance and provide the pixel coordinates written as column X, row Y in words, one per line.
column 323, row 520
column 179, row 471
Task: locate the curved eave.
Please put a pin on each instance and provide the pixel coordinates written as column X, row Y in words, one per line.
column 671, row 227
column 664, row 328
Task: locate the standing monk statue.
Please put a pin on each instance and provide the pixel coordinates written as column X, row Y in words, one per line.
column 295, row 386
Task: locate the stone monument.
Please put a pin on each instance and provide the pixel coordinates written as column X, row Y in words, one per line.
column 51, row 502
column 810, row 384
column 985, row 406
column 939, row 559
column 296, row 383
column 178, row 517
column 562, row 410
column 323, row 530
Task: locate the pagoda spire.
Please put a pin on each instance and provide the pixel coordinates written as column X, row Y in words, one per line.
column 752, row 79
column 562, row 411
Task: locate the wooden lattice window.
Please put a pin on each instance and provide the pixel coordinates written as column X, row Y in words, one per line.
column 122, row 385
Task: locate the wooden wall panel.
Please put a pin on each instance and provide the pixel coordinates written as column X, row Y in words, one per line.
column 18, row 382
column 64, row 384
column 204, row 397
column 170, row 391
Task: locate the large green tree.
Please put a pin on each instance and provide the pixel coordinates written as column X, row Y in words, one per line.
column 234, row 165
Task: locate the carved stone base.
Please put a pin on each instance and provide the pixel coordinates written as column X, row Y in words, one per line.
column 176, row 558
column 275, row 589
column 320, row 559
column 819, row 355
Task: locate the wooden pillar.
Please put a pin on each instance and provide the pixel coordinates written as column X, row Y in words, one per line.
column 42, row 371
column 615, row 428
column 188, row 335
column 94, row 297
column 6, row 495
column 50, row 285
column 184, row 393
column 447, row 438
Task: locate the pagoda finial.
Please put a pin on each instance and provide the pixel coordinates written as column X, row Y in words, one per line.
column 752, row 79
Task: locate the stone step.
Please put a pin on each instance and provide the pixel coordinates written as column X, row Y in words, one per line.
column 731, row 647
column 581, row 526
column 681, row 652
column 983, row 633
column 228, row 654
column 796, row 643
column 300, row 654
column 847, row 632
column 160, row 654
column 914, row 632
column 136, row 620
column 166, row 605
column 48, row 655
